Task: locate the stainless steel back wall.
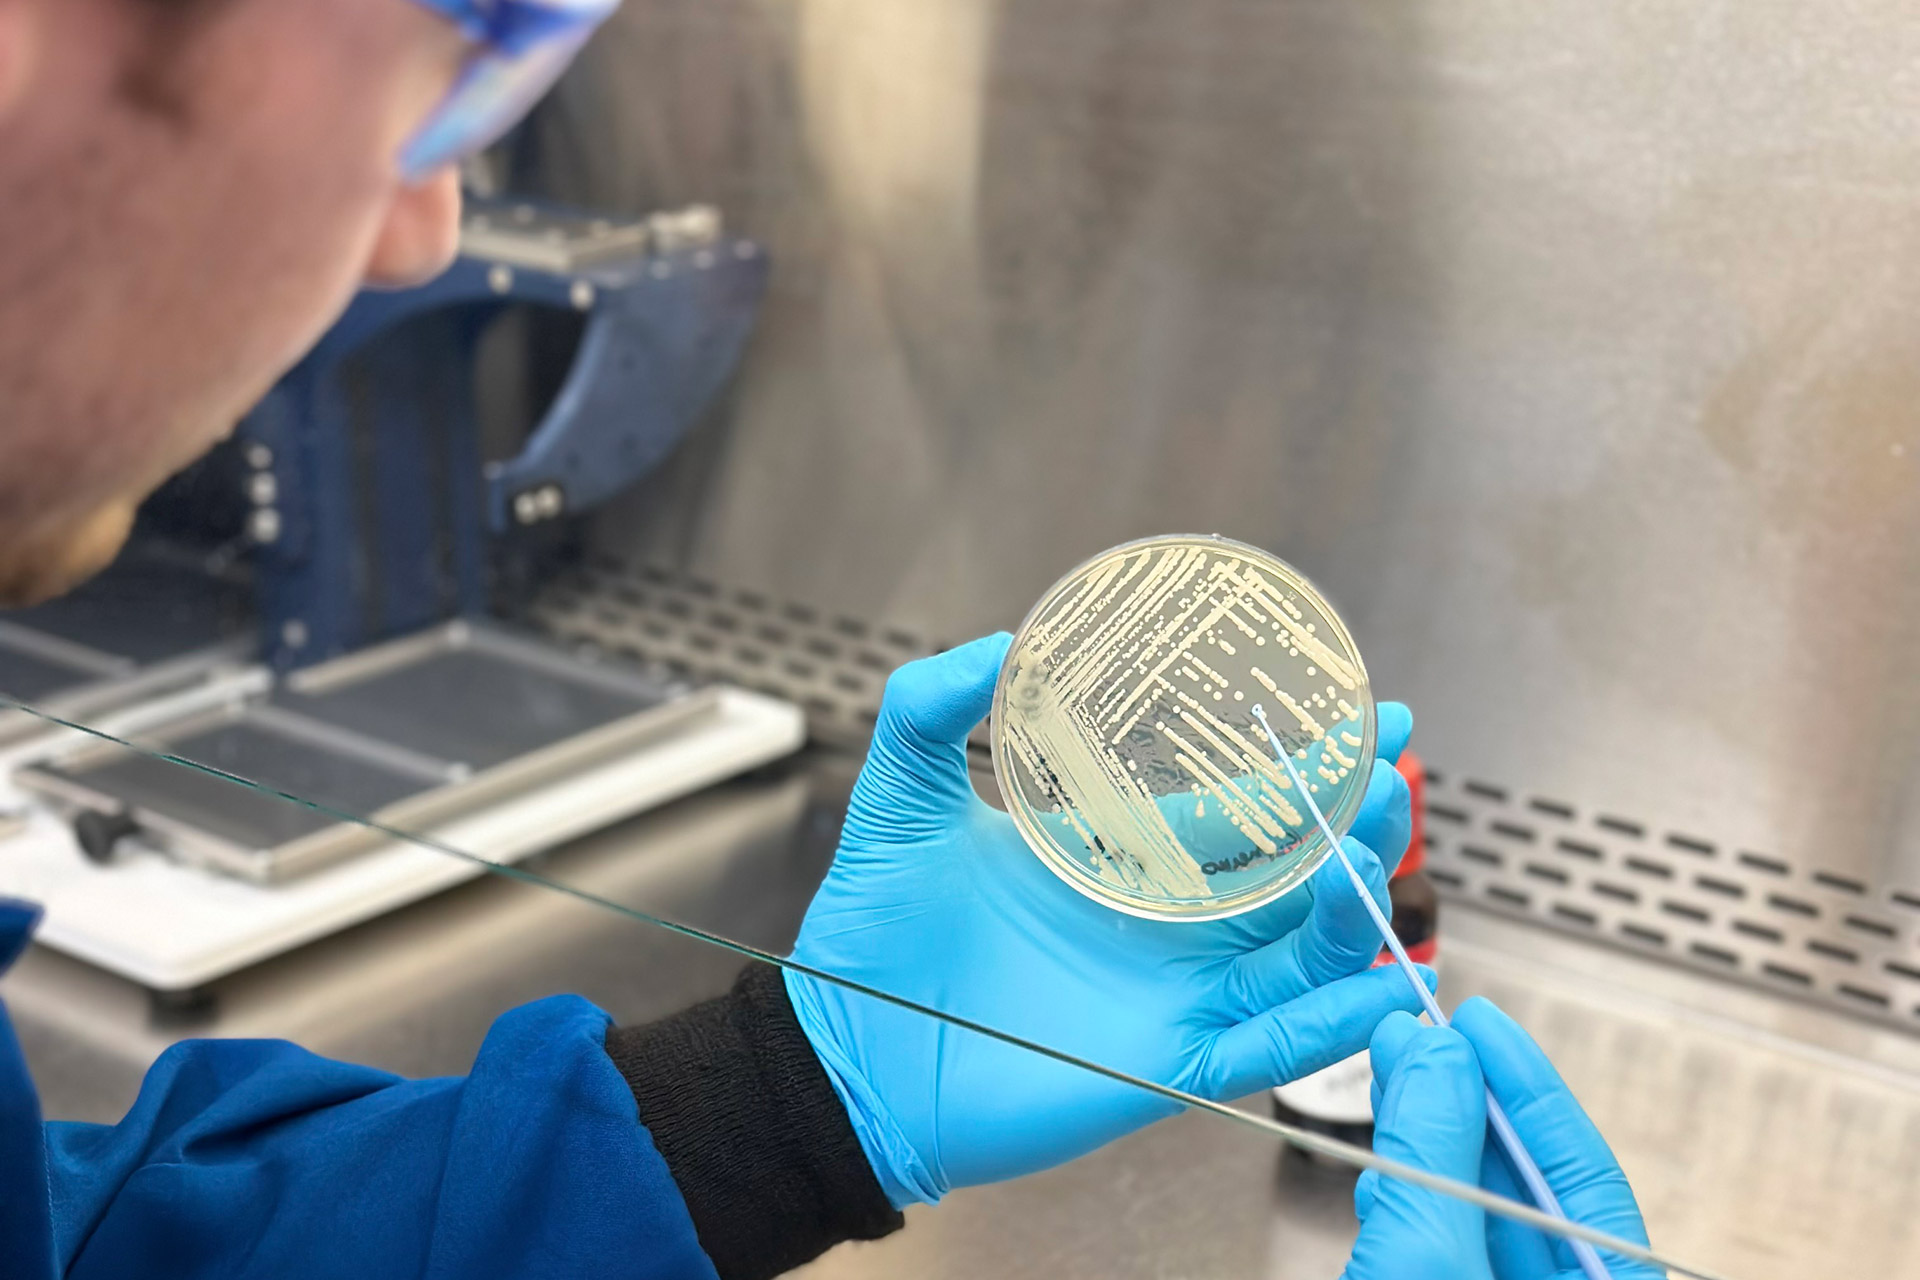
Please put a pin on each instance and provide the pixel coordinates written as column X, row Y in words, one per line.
column 1575, row 349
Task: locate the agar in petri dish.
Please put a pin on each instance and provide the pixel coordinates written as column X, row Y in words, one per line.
column 1124, row 739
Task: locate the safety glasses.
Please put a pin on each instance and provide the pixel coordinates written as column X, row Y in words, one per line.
column 521, row 49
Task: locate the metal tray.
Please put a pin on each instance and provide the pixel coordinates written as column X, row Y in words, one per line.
column 139, row 631
column 408, row 734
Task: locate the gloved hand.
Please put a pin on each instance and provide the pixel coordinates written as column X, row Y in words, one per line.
column 1430, row 1107
column 935, row 896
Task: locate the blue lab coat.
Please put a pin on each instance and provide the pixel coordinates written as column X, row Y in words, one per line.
column 257, row 1158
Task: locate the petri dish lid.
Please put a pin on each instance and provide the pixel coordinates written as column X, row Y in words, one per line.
column 1124, row 740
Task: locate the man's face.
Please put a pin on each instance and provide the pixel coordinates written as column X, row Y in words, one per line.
column 190, row 192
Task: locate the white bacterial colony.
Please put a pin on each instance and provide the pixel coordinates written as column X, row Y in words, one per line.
column 1128, row 714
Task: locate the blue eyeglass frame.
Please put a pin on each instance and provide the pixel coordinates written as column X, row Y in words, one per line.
column 521, row 47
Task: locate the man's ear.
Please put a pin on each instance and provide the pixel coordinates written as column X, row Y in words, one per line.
column 19, row 51
column 421, row 234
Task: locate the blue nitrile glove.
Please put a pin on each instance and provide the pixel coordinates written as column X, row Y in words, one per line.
column 935, row 896
column 1430, row 1109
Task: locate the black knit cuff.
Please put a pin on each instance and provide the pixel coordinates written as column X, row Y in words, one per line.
column 752, row 1130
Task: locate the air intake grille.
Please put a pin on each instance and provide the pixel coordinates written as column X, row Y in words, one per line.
column 1687, row 898
column 834, row 667
column 1743, row 914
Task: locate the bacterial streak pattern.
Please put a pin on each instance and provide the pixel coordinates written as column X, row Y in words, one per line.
column 1145, row 660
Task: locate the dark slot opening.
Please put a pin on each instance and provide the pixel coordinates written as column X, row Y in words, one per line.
column 1831, row 952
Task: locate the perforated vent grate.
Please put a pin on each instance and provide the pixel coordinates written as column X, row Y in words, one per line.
column 834, row 667
column 1735, row 912
column 1743, row 914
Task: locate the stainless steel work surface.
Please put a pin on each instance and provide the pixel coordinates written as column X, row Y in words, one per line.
column 1766, row 1139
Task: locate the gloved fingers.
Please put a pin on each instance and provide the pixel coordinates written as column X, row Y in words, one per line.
column 1558, row 1133
column 1432, row 1114
column 1337, row 938
column 915, row 781
column 1383, row 824
column 1385, row 821
column 1515, row 1250
column 1316, row 1030
column 1393, row 728
column 1257, row 928
column 1331, row 750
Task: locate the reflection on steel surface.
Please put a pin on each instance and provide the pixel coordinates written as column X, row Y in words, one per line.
column 1800, row 931
column 1568, row 346
column 1697, row 898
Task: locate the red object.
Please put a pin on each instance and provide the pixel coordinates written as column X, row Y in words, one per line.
column 1416, row 775
column 1416, row 910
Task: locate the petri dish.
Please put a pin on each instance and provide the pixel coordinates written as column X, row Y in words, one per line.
column 1124, row 739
